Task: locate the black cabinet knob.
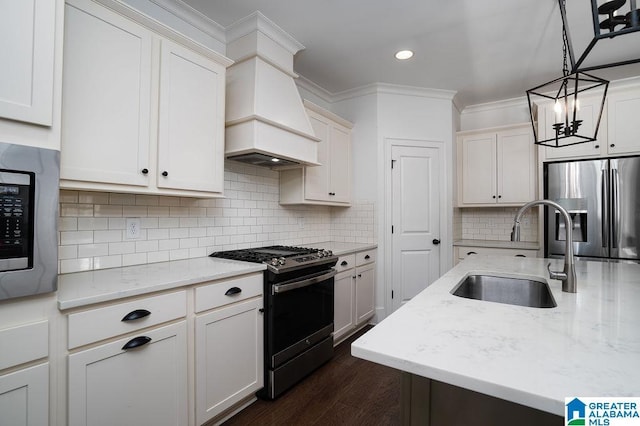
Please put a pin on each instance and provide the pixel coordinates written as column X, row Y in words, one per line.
column 344, row 263
column 612, row 145
column 493, row 196
column 499, row 196
column 597, row 146
column 435, row 241
column 144, row 171
column 332, row 193
column 165, row 173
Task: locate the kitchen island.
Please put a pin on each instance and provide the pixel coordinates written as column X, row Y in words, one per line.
column 589, row 345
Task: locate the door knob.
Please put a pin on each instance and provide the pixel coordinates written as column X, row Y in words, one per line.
column 435, row 241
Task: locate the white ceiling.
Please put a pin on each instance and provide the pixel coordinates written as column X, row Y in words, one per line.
column 485, row 50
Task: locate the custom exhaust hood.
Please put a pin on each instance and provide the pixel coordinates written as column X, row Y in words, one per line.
column 266, row 123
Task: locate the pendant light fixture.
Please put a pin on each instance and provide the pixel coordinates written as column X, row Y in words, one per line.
column 561, row 124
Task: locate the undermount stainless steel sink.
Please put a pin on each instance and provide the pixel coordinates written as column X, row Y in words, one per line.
column 512, row 291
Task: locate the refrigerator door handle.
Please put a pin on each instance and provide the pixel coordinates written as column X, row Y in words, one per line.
column 615, row 207
column 604, row 187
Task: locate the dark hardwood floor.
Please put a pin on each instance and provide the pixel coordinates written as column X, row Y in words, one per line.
column 345, row 391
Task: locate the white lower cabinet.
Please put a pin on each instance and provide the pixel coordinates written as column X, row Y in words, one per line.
column 24, row 397
column 144, row 385
column 229, row 365
column 461, row 252
column 24, row 393
column 354, row 293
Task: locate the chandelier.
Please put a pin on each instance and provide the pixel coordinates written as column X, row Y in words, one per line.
column 565, row 126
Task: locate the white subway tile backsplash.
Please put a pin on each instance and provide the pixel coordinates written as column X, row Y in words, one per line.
column 493, row 224
column 92, row 224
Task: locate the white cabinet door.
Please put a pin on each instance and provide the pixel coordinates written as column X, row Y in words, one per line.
column 106, row 96
column 143, row 386
column 191, row 135
column 340, row 165
column 588, row 113
column 623, row 114
column 479, row 169
column 516, row 164
column 27, row 51
column 365, row 292
column 229, row 357
column 24, row 397
column 317, row 178
column 343, row 307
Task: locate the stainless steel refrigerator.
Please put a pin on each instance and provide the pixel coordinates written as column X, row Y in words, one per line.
column 603, row 199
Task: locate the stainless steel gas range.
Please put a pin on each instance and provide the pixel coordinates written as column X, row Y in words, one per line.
column 298, row 307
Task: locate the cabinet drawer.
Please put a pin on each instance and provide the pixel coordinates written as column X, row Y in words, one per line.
column 364, row 257
column 24, row 343
column 345, row 262
column 102, row 323
column 463, row 252
column 215, row 295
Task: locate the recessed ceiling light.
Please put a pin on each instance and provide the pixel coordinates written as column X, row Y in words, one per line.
column 275, row 160
column 404, row 54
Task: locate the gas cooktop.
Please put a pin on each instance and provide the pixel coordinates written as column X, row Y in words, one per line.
column 280, row 258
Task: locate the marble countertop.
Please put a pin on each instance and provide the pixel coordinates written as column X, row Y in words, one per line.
column 85, row 288
column 589, row 345
column 339, row 248
column 526, row 245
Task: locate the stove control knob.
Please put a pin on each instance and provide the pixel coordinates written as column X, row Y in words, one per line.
column 281, row 261
column 328, row 253
column 274, row 261
column 320, row 254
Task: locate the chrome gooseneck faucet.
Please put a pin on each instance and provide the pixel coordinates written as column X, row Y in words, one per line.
column 568, row 275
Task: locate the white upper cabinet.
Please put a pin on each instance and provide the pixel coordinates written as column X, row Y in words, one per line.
column 31, row 77
column 141, row 113
column 617, row 135
column 190, row 139
column 496, row 167
column 27, row 31
column 623, row 112
column 330, row 182
column 588, row 113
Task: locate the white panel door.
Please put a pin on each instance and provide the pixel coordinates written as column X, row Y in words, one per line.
column 479, row 169
column 27, row 36
column 516, row 166
column 190, row 138
column 416, row 197
column 106, row 98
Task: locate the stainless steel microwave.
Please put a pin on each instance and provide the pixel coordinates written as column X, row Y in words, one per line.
column 29, row 191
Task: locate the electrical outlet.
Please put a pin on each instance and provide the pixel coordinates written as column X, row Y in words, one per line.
column 132, row 228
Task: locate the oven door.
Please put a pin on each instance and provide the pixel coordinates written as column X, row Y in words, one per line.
column 301, row 315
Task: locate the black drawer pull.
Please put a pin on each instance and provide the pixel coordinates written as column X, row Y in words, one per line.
column 232, row 291
column 137, row 314
column 359, row 275
column 520, row 255
column 344, row 263
column 471, row 252
column 136, row 342
column 367, row 257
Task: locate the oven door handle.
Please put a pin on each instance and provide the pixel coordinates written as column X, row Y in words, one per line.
column 281, row 288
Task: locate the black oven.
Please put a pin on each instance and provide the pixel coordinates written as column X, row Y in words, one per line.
column 299, row 328
column 298, row 308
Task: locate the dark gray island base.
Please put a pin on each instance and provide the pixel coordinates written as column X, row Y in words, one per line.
column 427, row 402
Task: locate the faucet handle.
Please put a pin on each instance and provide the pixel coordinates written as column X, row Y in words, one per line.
column 556, row 275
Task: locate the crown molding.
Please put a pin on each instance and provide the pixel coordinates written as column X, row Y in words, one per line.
column 312, row 87
column 257, row 21
column 492, row 106
column 191, row 16
column 394, row 89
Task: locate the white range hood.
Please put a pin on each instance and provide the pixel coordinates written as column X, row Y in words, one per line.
column 266, row 123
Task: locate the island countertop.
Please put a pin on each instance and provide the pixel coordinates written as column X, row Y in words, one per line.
column 589, row 345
